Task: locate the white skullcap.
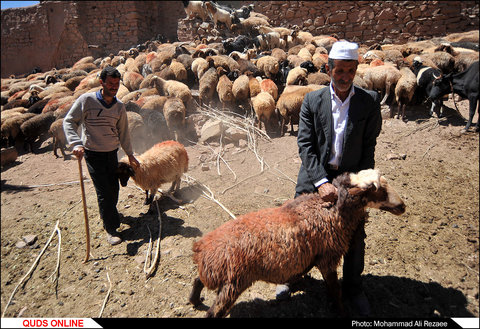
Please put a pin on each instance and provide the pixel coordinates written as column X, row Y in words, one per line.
column 344, row 50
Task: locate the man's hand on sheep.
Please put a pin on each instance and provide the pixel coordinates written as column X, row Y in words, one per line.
column 328, row 192
column 133, row 161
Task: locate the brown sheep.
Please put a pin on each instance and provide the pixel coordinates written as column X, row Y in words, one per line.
column 241, row 88
column 132, row 80
column 268, row 65
column 264, row 106
column 318, row 78
column 174, row 113
column 224, row 88
column 289, row 104
column 253, row 85
column 383, row 78
column 207, row 86
column 404, row 90
column 278, row 244
column 11, row 126
column 163, row 163
column 269, row 86
column 173, row 88
column 58, row 136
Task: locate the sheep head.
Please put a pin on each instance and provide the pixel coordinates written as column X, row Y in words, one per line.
column 371, row 189
column 124, row 172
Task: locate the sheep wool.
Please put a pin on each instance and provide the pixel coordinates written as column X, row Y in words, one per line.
column 163, row 163
column 277, row 244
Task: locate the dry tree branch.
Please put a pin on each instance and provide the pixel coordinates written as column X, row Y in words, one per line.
column 32, row 268
column 149, row 271
column 106, row 297
column 243, row 180
column 209, row 196
column 56, row 273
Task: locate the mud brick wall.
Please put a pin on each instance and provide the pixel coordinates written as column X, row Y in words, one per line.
column 58, row 33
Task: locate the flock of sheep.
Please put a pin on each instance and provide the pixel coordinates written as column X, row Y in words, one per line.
column 264, row 68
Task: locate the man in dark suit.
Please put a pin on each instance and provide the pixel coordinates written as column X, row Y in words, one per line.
column 337, row 132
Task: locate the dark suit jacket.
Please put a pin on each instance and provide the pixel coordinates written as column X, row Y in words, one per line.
column 315, row 130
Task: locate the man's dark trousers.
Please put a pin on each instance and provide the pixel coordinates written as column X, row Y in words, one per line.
column 102, row 167
column 353, row 261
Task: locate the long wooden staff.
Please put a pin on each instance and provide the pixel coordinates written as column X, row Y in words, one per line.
column 87, row 230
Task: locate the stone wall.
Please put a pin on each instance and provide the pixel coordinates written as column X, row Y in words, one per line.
column 58, row 33
column 374, row 21
column 366, row 22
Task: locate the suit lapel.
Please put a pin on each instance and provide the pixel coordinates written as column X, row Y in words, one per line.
column 355, row 105
column 326, row 115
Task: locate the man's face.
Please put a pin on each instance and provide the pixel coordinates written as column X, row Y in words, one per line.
column 110, row 86
column 342, row 74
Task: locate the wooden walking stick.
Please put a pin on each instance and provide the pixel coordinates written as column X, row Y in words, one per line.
column 87, row 230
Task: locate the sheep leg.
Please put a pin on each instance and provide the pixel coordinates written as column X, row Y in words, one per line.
column 282, row 125
column 226, row 297
column 333, row 289
column 55, row 147
column 175, row 185
column 149, row 198
column 387, row 93
column 471, row 113
column 194, row 298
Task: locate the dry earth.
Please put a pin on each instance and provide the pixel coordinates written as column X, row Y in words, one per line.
column 421, row 264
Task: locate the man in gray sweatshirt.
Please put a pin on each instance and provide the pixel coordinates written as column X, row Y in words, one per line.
column 104, row 127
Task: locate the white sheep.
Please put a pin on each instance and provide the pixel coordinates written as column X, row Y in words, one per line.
column 219, row 15
column 404, row 90
column 163, row 163
column 383, row 78
column 195, row 9
column 278, row 244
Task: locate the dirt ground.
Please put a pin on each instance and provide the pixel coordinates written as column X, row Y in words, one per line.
column 422, row 264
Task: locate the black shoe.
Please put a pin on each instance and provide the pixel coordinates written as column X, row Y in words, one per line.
column 360, row 304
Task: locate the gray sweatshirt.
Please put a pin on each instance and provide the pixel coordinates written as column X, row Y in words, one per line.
column 104, row 127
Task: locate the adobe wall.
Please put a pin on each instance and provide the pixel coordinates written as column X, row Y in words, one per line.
column 58, row 33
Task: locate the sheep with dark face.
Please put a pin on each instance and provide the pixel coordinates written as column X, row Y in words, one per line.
column 163, row 163
column 278, row 244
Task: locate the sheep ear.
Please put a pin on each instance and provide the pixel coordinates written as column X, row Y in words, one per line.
column 131, row 171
